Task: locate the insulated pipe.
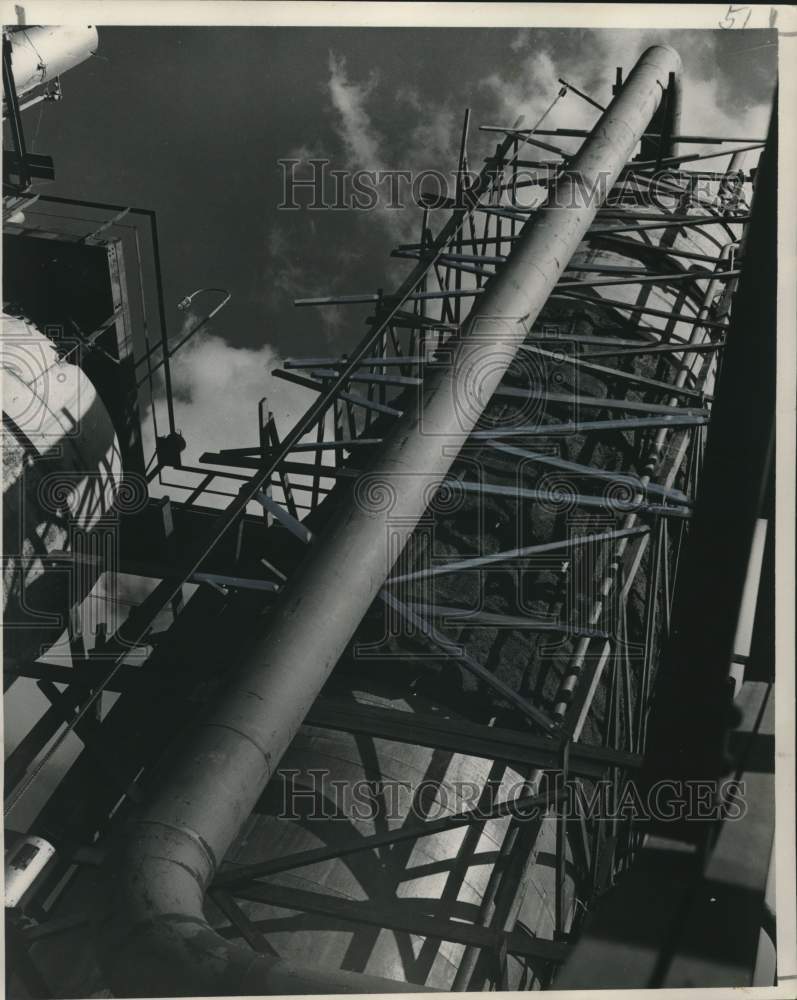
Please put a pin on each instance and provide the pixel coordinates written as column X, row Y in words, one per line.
column 41, row 53
column 156, row 940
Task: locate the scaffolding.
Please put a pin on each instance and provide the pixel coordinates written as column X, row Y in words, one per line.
column 594, row 418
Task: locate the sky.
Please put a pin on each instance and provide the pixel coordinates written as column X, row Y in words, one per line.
column 192, row 122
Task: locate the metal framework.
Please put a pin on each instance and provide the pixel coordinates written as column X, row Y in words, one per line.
column 625, row 353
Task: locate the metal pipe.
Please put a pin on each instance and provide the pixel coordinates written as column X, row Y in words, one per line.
column 156, row 939
column 580, row 133
column 42, row 53
column 743, row 640
column 184, row 304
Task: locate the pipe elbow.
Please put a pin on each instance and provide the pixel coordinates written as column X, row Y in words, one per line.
column 667, row 53
column 154, row 938
column 669, row 67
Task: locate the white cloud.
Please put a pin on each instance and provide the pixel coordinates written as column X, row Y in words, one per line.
column 520, row 40
column 361, row 140
column 528, row 90
column 406, row 94
column 532, row 83
column 435, row 139
column 707, row 109
column 289, row 276
column 217, row 388
column 431, row 144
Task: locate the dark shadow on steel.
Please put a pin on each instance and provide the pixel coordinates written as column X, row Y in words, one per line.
column 692, row 711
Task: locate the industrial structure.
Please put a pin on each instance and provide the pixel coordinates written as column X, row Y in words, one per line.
column 336, row 746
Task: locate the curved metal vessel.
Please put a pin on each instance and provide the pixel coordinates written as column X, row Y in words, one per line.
column 61, row 468
column 40, row 53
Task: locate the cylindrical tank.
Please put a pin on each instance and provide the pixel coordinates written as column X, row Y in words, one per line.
column 61, row 468
column 41, row 53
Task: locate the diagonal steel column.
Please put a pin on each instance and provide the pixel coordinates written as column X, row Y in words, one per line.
column 156, row 940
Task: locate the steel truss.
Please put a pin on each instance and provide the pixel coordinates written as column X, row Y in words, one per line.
column 658, row 381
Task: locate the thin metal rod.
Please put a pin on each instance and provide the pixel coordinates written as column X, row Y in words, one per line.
column 678, row 224
column 597, row 402
column 582, row 95
column 512, row 555
column 649, row 279
column 590, row 470
column 659, row 349
column 243, row 874
column 646, row 310
column 580, row 426
column 635, row 247
column 692, row 157
column 489, row 679
column 578, row 499
column 617, row 373
column 578, row 133
column 474, row 616
column 651, row 603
